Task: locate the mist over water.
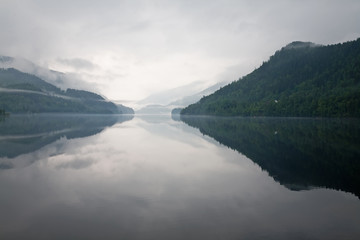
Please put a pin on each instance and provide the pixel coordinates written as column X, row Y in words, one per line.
column 153, row 177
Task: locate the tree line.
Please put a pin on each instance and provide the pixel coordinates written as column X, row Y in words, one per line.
column 304, row 81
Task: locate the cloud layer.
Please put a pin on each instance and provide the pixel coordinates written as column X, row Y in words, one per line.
column 131, row 49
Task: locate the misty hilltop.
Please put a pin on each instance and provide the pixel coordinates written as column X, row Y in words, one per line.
column 301, row 79
column 299, row 44
column 59, row 79
column 26, row 93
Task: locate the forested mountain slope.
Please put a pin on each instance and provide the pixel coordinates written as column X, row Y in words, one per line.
column 301, row 79
column 25, row 93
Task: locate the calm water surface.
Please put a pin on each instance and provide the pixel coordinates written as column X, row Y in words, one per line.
column 153, row 177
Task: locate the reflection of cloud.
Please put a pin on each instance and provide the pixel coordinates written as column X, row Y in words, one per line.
column 6, row 166
column 76, row 164
column 159, row 189
column 77, row 63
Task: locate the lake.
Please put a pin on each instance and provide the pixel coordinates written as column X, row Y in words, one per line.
column 157, row 177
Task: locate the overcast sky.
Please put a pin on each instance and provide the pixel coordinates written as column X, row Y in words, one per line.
column 131, row 49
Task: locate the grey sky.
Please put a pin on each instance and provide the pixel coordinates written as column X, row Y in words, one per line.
column 131, row 49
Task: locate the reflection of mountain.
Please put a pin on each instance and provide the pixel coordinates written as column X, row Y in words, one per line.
column 298, row 153
column 20, row 134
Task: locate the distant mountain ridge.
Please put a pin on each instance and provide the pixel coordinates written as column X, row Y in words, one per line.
column 184, row 101
column 154, row 109
column 302, row 79
column 25, row 93
column 12, row 78
column 183, row 97
column 59, row 79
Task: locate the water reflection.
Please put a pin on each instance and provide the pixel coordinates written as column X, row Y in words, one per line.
column 298, row 153
column 22, row 134
column 155, row 178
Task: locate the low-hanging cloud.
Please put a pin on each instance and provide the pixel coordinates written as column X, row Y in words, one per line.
column 77, row 63
column 76, row 164
column 59, row 79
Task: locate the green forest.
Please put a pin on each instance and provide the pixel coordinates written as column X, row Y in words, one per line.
column 301, row 79
column 25, row 93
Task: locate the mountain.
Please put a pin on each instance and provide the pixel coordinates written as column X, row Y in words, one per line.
column 181, row 96
column 188, row 99
column 23, row 93
column 301, row 79
column 12, row 78
column 164, row 102
column 176, row 111
column 125, row 110
column 168, row 96
column 59, row 79
column 154, row 109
